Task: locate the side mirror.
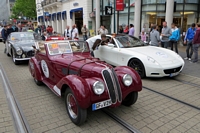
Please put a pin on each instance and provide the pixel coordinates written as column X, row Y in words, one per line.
column 111, row 45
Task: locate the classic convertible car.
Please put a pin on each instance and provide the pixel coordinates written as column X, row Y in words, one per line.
column 67, row 68
column 19, row 45
column 148, row 61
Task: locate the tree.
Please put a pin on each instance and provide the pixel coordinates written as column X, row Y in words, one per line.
column 25, row 8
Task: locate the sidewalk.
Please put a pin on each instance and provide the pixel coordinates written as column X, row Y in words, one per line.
column 6, row 121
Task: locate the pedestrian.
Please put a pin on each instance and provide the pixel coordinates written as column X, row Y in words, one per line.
column 67, row 33
column 4, row 34
column 143, row 36
column 74, row 33
column 174, row 37
column 126, row 30
column 18, row 27
column 196, row 43
column 154, row 37
column 44, row 36
column 9, row 29
column 103, row 30
column 165, row 34
column 131, row 30
column 188, row 39
column 84, row 31
column 120, row 29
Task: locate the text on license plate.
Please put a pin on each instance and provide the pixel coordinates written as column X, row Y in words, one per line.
column 173, row 74
column 102, row 104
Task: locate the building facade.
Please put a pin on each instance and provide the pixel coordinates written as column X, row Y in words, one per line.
column 141, row 13
column 4, row 11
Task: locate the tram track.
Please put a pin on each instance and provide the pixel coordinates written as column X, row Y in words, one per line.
column 121, row 121
column 20, row 122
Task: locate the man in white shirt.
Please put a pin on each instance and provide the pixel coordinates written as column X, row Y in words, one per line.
column 103, row 30
column 74, row 32
column 67, row 33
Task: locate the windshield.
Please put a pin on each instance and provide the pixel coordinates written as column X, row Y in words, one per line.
column 128, row 41
column 67, row 47
column 22, row 36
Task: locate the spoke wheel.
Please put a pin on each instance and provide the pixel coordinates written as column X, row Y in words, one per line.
column 14, row 60
column 75, row 112
column 138, row 67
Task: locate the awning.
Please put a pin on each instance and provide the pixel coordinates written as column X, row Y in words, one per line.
column 58, row 15
column 41, row 18
column 49, row 17
column 53, row 16
column 64, row 15
column 75, row 10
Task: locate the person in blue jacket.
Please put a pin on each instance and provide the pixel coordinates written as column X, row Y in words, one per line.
column 174, row 37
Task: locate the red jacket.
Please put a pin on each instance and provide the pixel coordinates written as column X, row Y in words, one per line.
column 196, row 39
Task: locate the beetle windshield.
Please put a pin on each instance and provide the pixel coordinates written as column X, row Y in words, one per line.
column 128, row 41
column 22, row 36
column 59, row 48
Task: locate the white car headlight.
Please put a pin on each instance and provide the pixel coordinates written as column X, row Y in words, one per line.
column 127, row 80
column 152, row 60
column 98, row 87
column 19, row 52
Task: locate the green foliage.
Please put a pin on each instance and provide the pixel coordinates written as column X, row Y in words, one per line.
column 24, row 8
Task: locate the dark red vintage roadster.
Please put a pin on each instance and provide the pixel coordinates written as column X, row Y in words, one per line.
column 67, row 68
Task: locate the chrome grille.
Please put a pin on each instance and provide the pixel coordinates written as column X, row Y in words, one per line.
column 30, row 54
column 112, row 84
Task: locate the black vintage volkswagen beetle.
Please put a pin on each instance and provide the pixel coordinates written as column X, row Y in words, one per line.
column 19, row 45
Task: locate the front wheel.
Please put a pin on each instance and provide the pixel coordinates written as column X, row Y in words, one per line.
column 130, row 99
column 14, row 60
column 138, row 66
column 75, row 112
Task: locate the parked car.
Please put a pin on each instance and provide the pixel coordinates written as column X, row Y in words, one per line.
column 69, row 70
column 148, row 61
column 19, row 45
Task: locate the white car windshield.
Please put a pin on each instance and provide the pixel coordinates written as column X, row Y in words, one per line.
column 22, row 36
column 67, row 47
column 128, row 41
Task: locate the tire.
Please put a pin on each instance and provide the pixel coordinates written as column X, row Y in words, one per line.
column 138, row 66
column 39, row 83
column 76, row 113
column 14, row 60
column 130, row 99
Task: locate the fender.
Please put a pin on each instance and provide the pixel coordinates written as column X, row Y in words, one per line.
column 35, row 71
column 79, row 87
column 137, row 83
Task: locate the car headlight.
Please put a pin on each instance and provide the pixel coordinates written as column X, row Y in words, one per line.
column 98, row 87
column 19, row 52
column 127, row 80
column 152, row 60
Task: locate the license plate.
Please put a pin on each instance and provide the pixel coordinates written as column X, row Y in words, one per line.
column 173, row 74
column 102, row 104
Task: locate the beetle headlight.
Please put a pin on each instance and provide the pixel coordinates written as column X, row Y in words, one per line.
column 127, row 80
column 98, row 87
column 19, row 52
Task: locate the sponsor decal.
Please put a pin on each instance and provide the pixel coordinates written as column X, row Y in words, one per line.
column 163, row 55
column 45, row 68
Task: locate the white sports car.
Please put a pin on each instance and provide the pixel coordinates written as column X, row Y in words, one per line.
column 148, row 61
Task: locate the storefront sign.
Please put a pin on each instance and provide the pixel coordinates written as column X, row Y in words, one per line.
column 119, row 5
column 108, row 10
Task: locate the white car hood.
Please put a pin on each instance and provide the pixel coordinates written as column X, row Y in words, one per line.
column 158, row 54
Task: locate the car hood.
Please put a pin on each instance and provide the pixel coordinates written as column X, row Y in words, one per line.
column 24, row 45
column 83, row 64
column 157, row 53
